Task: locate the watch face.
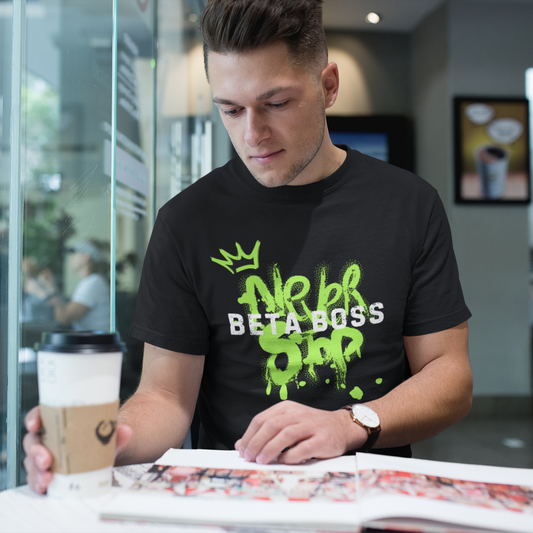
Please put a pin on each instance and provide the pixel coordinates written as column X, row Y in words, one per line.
column 365, row 415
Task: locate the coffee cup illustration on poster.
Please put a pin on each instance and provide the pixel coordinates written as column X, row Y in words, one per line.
column 492, row 150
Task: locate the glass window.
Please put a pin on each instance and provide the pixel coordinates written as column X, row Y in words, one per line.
column 82, row 87
column 134, row 165
column 6, row 38
column 83, row 186
column 191, row 139
column 66, row 192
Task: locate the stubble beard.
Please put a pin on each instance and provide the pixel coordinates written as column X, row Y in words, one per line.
column 299, row 166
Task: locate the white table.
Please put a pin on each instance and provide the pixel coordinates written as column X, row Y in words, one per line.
column 24, row 511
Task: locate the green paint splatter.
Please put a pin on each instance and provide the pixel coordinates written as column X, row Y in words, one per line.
column 276, row 346
column 302, row 285
column 356, row 393
column 379, row 381
column 297, row 348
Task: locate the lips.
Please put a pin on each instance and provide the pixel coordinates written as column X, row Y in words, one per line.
column 266, row 157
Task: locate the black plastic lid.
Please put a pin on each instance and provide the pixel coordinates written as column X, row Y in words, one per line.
column 80, row 342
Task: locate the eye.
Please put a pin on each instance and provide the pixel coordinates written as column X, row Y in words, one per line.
column 279, row 105
column 231, row 112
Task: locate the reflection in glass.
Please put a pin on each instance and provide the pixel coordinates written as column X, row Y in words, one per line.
column 89, row 305
column 66, row 98
column 6, row 38
column 70, row 190
column 134, row 159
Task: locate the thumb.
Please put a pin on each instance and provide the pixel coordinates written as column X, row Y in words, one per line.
column 124, row 435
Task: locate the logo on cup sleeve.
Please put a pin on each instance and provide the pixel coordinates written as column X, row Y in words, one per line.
column 105, row 431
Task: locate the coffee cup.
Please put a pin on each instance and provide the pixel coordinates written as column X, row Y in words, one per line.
column 79, row 380
column 492, row 164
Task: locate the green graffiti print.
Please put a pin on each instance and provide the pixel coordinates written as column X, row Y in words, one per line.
column 323, row 351
column 276, row 346
column 356, row 393
column 294, row 332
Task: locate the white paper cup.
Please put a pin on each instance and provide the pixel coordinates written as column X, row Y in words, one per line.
column 79, row 382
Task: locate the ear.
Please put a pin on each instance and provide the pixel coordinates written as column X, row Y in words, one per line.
column 330, row 84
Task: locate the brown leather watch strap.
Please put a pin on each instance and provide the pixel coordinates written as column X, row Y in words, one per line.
column 373, row 433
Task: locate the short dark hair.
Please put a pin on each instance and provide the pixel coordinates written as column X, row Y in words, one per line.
column 234, row 26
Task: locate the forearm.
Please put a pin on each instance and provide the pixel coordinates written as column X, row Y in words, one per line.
column 60, row 313
column 67, row 313
column 158, row 423
column 425, row 404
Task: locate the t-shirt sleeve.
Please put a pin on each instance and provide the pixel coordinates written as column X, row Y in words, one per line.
column 435, row 301
column 168, row 313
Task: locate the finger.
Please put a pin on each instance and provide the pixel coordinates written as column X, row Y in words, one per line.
column 326, row 439
column 274, row 437
column 32, row 420
column 273, row 419
column 29, row 440
column 253, row 427
column 38, row 458
column 286, row 440
column 280, row 409
column 38, row 454
column 38, row 480
column 259, row 435
column 37, row 463
column 302, row 452
column 239, row 447
column 124, row 435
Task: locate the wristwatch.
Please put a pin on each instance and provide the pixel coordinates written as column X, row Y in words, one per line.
column 368, row 419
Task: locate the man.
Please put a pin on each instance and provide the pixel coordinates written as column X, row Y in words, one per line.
column 297, row 279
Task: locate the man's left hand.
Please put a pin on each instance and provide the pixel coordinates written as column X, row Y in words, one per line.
column 292, row 433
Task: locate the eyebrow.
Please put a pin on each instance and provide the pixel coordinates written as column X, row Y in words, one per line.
column 263, row 96
column 269, row 94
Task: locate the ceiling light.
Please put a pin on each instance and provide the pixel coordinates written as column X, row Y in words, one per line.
column 372, row 18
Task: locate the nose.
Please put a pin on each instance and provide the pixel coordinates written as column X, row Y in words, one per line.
column 257, row 129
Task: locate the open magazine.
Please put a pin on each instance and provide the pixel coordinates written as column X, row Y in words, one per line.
column 207, row 487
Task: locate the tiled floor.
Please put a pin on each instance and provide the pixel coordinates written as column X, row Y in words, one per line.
column 487, row 441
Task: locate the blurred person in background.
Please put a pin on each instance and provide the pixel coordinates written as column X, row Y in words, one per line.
column 89, row 305
column 34, row 306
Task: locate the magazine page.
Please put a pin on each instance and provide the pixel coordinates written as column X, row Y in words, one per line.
column 484, row 497
column 220, row 488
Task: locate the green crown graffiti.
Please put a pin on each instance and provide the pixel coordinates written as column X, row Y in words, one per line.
column 229, row 259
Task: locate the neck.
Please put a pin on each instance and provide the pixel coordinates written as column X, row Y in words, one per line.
column 84, row 272
column 328, row 159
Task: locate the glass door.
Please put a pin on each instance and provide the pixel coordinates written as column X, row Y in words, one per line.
column 85, row 85
column 77, row 115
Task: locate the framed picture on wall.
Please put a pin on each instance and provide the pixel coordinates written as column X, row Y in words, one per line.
column 491, row 150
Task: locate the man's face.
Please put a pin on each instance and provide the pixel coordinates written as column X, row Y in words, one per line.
column 274, row 113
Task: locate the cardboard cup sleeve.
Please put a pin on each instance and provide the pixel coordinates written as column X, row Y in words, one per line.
column 81, row 438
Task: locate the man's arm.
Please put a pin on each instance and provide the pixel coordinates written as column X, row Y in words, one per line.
column 161, row 410
column 438, row 394
column 159, row 413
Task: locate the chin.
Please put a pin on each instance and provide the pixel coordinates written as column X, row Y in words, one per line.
column 273, row 181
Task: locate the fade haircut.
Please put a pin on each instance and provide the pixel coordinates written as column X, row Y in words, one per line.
column 235, row 26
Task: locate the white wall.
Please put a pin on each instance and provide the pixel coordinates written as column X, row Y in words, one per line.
column 466, row 47
column 479, row 48
column 374, row 73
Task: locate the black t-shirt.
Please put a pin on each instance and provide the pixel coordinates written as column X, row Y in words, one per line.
column 297, row 292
